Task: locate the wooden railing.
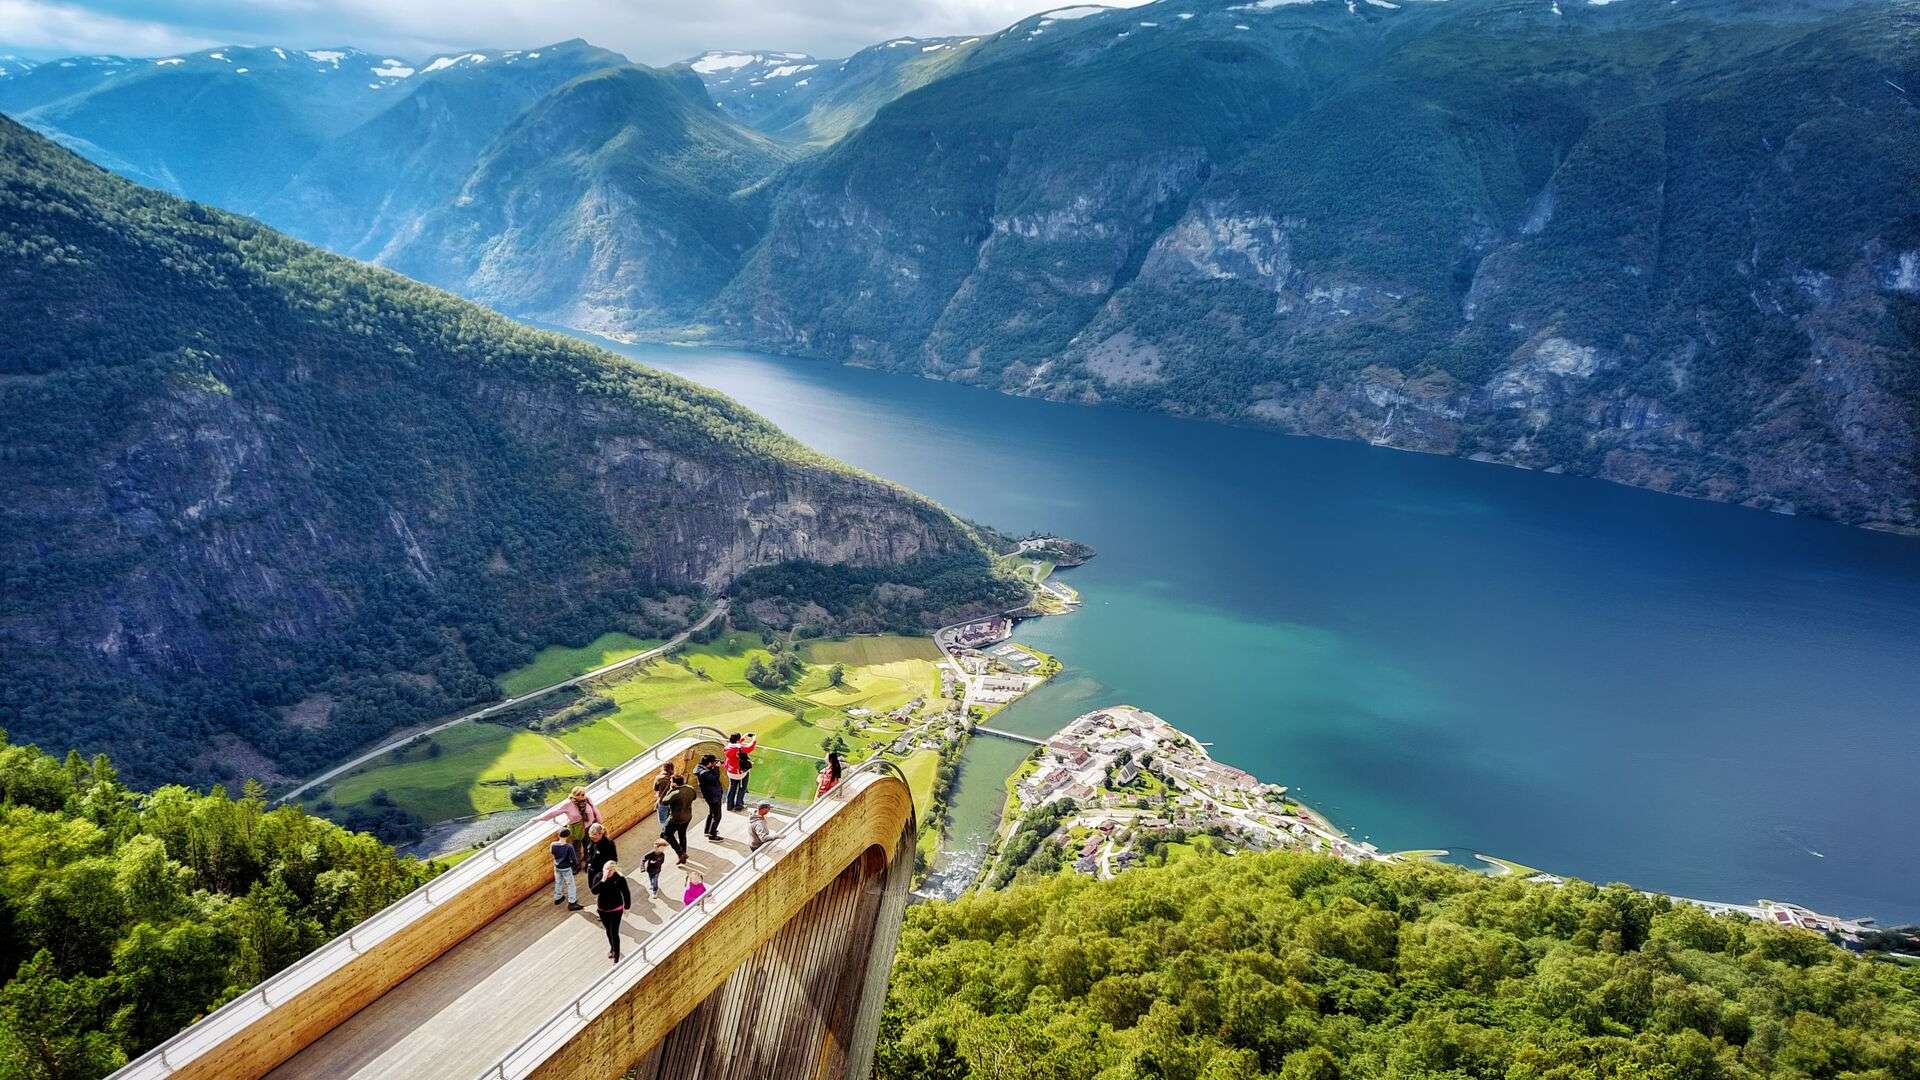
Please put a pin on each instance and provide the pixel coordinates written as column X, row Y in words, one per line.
column 268, row 1024
column 679, row 947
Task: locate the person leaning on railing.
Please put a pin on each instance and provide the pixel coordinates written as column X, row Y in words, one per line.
column 579, row 813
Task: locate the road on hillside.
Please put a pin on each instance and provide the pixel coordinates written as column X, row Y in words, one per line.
column 719, row 609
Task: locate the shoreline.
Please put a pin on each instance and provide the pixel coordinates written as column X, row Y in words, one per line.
column 1237, row 808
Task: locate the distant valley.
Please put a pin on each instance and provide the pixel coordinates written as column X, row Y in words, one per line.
column 1675, row 245
column 268, row 503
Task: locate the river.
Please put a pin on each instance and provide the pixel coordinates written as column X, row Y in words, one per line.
column 1594, row 680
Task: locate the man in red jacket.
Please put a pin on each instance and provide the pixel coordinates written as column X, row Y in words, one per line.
column 738, row 763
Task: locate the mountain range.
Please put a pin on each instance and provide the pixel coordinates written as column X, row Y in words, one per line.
column 266, row 502
column 1675, row 245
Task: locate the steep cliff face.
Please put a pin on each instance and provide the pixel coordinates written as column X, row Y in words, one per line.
column 262, row 497
column 1671, row 245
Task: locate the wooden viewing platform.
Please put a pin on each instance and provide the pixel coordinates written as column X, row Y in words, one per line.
column 478, row 973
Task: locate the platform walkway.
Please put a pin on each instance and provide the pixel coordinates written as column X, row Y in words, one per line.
column 465, row 1010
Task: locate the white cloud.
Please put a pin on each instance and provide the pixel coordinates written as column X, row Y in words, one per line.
column 659, row 31
column 40, row 27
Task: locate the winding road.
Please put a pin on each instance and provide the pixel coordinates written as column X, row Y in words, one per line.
column 719, row 610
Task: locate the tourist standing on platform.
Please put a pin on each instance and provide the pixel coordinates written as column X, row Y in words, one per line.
column 654, row 862
column 738, row 763
column 579, row 813
column 696, row 888
column 829, row 776
column 565, row 861
column 679, row 814
column 707, row 775
column 615, row 899
column 661, row 785
column 759, row 829
column 600, row 851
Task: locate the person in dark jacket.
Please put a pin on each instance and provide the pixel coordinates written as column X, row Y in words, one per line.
column 566, row 862
column 679, row 814
column 615, row 899
column 653, row 862
column 712, row 789
column 600, row 851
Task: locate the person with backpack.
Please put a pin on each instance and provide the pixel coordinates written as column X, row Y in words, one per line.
column 614, row 900
column 565, row 862
column 679, row 815
column 739, row 762
column 707, row 775
column 661, row 785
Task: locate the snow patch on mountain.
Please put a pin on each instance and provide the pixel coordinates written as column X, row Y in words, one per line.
column 712, row 63
column 326, row 56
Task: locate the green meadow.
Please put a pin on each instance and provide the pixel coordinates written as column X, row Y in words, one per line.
column 557, row 663
column 469, row 769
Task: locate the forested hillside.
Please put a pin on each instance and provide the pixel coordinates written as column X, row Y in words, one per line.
column 1304, row 967
column 265, row 503
column 1675, row 245
column 613, row 203
column 125, row 915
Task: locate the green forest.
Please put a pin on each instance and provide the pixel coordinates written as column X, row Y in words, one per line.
column 1304, row 967
column 126, row 915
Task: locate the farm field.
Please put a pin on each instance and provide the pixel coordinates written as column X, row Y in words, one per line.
column 556, row 663
column 468, row 770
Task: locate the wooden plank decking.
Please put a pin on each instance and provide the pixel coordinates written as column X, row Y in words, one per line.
column 464, row 1011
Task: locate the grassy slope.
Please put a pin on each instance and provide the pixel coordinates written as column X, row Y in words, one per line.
column 469, row 774
column 556, row 663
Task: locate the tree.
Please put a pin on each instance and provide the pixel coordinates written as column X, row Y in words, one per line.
column 837, row 675
column 58, row 1029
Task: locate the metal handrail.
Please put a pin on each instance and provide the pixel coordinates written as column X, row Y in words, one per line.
column 458, row 879
column 678, row 925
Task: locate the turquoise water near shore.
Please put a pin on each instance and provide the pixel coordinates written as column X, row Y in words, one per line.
column 1583, row 677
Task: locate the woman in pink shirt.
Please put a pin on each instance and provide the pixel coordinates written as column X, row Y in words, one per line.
column 579, row 813
column 829, row 776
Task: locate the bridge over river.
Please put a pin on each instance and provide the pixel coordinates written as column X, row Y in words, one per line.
column 983, row 729
column 779, row 971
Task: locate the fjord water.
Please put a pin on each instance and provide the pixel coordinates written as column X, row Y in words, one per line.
column 1582, row 677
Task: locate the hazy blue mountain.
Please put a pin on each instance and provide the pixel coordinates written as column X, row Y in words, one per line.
column 1671, row 244
column 616, row 202
column 796, row 98
column 225, row 126
column 368, row 188
column 265, row 503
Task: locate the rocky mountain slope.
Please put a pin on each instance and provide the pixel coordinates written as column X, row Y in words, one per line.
column 796, row 98
column 368, row 189
column 265, row 502
column 1675, row 245
column 614, row 203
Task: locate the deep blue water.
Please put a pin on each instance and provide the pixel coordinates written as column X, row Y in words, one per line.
column 1579, row 676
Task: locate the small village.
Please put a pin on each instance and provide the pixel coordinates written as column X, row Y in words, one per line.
column 1122, row 782
column 1134, row 781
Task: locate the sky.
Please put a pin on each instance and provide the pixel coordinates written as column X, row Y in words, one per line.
column 650, row 31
